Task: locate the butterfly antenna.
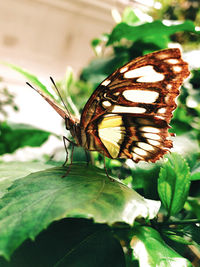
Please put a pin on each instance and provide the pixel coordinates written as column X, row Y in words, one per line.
column 31, row 86
column 52, row 80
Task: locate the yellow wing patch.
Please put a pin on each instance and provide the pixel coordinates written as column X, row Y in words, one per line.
column 111, row 132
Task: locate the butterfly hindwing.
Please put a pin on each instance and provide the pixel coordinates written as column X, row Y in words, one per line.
column 131, row 109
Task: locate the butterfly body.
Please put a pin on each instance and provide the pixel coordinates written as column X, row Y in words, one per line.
column 128, row 115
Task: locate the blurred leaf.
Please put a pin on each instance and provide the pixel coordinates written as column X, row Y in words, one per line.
column 70, row 242
column 174, row 183
column 145, row 176
column 35, row 201
column 195, row 80
column 187, row 146
column 32, row 78
column 150, row 249
column 129, row 16
column 194, row 231
column 195, row 207
column 11, row 171
column 153, row 32
column 14, row 136
column 195, row 172
column 100, row 68
column 181, row 122
column 178, row 235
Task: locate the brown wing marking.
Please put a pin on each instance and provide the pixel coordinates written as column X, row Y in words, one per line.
column 170, row 71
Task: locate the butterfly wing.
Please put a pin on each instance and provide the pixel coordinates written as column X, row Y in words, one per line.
column 129, row 112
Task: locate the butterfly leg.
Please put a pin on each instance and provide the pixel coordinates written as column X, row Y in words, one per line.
column 66, row 150
column 67, row 154
column 70, row 165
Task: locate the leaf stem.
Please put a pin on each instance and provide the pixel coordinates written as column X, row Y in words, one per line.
column 190, row 221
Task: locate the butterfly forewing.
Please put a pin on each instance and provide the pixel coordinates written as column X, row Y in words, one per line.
column 131, row 109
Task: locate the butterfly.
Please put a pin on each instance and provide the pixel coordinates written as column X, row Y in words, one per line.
column 128, row 114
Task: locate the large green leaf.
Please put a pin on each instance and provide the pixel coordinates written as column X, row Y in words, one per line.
column 35, row 201
column 70, row 242
column 14, row 136
column 11, row 171
column 154, row 32
column 174, row 183
column 150, row 249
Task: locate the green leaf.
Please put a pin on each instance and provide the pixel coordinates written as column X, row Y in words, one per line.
column 70, row 242
column 145, row 176
column 154, row 32
column 195, row 172
column 187, row 145
column 150, row 249
column 11, row 171
column 178, row 236
column 32, row 78
column 129, row 16
column 194, row 205
column 14, row 136
column 174, row 183
column 35, row 201
column 100, row 68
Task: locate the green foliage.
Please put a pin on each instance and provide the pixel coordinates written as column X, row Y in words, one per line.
column 14, row 136
column 155, row 32
column 36, row 200
column 6, row 100
column 174, row 183
column 70, row 242
column 32, row 78
column 150, row 249
column 85, row 219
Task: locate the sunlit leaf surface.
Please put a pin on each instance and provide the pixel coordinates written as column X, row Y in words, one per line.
column 150, row 249
column 34, row 201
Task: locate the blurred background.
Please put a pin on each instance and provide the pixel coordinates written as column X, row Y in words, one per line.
column 44, row 37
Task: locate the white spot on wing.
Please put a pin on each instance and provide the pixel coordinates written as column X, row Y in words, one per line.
column 160, row 117
column 145, row 146
column 177, row 69
column 141, row 96
column 105, row 83
column 162, row 56
column 106, row 104
column 122, row 70
column 149, row 129
column 151, row 136
column 162, row 110
column 136, row 157
column 116, row 93
column 122, row 109
column 139, row 151
column 169, row 86
column 172, row 61
column 153, row 142
column 145, row 74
